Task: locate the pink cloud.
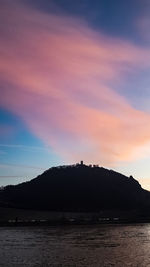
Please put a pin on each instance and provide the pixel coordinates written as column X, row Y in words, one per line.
column 59, row 76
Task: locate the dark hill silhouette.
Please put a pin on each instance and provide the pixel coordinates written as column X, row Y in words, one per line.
column 77, row 188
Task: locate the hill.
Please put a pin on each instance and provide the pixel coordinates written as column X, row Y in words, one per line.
column 77, row 188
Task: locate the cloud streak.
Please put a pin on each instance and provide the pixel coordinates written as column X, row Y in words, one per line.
column 59, row 76
column 24, row 147
column 13, row 176
column 7, row 165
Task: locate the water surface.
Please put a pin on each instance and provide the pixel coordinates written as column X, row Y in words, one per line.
column 75, row 246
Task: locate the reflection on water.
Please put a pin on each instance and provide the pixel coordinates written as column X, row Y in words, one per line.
column 73, row 246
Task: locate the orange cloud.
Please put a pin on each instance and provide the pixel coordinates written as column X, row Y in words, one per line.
column 59, row 76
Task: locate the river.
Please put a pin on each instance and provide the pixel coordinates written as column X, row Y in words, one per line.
column 75, row 246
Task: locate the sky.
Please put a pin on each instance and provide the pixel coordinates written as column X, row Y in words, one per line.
column 74, row 85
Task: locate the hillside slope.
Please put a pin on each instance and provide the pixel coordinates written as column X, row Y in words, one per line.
column 77, row 188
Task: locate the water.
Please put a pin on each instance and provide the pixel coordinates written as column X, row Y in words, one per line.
column 75, row 246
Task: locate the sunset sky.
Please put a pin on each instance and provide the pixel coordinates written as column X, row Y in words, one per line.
column 74, row 85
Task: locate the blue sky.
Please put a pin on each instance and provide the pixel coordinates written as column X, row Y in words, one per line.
column 22, row 155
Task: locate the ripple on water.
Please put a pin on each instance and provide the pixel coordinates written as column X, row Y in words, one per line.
column 76, row 246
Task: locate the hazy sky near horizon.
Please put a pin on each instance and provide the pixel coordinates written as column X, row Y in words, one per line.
column 75, row 85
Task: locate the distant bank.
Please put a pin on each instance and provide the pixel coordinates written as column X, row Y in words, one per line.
column 21, row 217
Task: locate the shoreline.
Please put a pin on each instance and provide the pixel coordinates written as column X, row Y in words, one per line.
column 19, row 223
